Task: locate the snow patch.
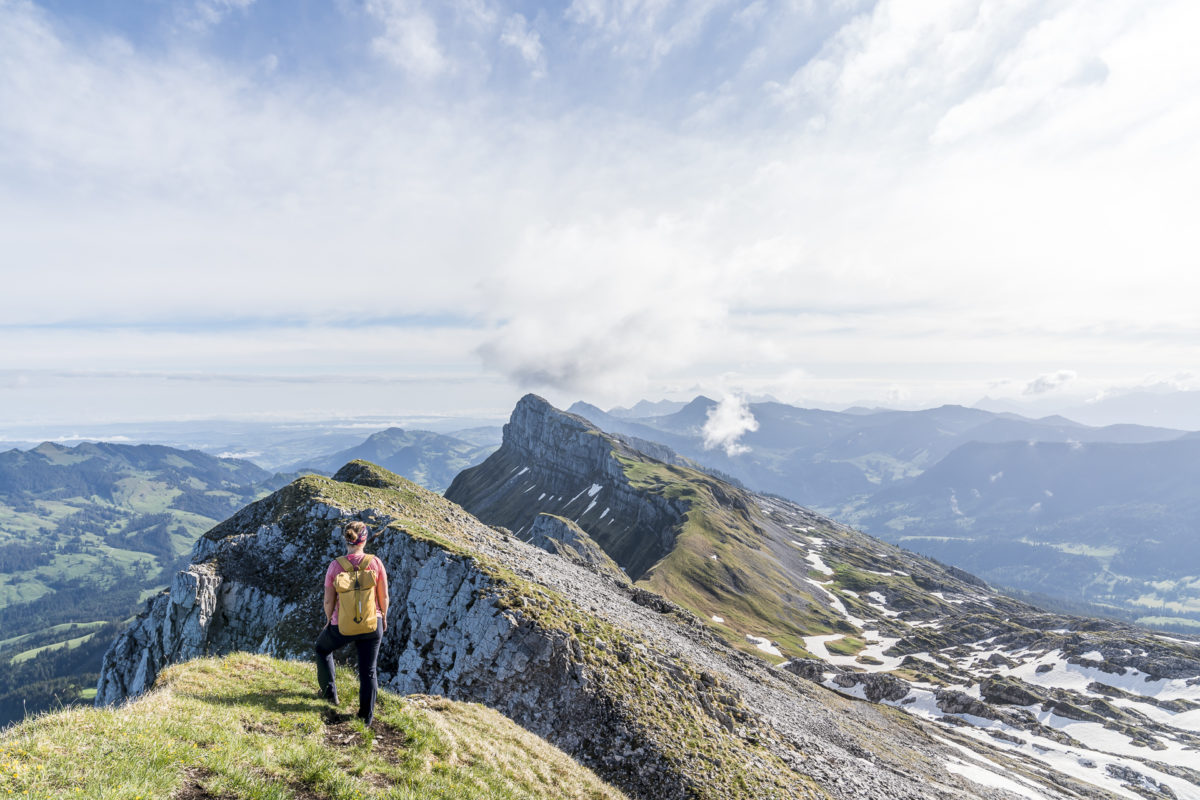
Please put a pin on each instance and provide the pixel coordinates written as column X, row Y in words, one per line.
column 764, row 645
column 1064, row 675
column 837, row 605
column 818, row 563
column 985, row 777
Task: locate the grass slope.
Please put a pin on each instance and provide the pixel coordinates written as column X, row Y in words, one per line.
column 251, row 727
column 721, row 567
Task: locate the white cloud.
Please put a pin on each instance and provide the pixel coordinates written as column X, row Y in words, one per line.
column 526, row 42
column 1050, row 382
column 585, row 306
column 644, row 30
column 410, row 37
column 946, row 195
column 206, row 14
column 726, row 422
column 750, row 15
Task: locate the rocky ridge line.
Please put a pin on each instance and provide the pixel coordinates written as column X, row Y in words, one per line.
column 625, row 681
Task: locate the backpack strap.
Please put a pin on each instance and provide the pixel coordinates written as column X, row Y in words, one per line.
column 366, row 561
column 345, row 563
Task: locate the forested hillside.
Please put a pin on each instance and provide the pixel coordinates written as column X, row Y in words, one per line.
column 86, row 534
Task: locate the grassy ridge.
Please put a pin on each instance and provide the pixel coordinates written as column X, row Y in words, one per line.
column 720, row 566
column 252, row 727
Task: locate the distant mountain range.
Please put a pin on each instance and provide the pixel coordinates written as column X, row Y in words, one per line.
column 1111, row 524
column 647, row 408
column 827, row 458
column 1171, row 408
column 271, row 445
column 430, row 459
column 1105, row 516
column 1088, row 517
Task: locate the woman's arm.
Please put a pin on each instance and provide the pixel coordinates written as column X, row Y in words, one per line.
column 330, row 601
column 381, row 596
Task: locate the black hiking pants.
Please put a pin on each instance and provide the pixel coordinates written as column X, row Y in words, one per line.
column 367, row 645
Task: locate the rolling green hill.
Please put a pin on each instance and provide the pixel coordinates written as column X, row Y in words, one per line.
column 86, row 533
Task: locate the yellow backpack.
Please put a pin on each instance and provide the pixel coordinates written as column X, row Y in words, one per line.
column 356, row 597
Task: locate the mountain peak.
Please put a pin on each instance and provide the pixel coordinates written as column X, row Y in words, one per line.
column 587, row 410
column 534, row 422
column 364, row 473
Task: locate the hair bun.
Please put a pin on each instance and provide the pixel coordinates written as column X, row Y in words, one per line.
column 354, row 531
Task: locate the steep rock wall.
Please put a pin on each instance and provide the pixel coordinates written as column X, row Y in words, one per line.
column 558, row 463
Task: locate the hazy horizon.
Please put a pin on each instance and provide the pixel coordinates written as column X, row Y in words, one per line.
column 1166, row 409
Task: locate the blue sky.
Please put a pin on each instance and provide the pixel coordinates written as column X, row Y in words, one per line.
column 257, row 208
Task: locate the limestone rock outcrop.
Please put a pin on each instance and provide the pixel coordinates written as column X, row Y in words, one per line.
column 563, row 537
column 561, row 462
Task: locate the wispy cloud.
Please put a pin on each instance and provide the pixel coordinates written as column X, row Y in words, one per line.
column 409, row 38
column 528, row 43
column 205, row 14
column 1050, row 382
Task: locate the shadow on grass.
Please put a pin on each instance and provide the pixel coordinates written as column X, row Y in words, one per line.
column 274, row 700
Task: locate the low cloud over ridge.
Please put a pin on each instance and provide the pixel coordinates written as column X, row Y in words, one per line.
column 726, row 423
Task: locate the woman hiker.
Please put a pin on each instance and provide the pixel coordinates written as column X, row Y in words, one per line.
column 367, row 643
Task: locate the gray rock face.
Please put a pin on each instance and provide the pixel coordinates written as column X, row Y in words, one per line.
column 561, row 464
column 811, row 669
column 878, row 686
column 565, row 538
column 955, row 702
column 1009, row 691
